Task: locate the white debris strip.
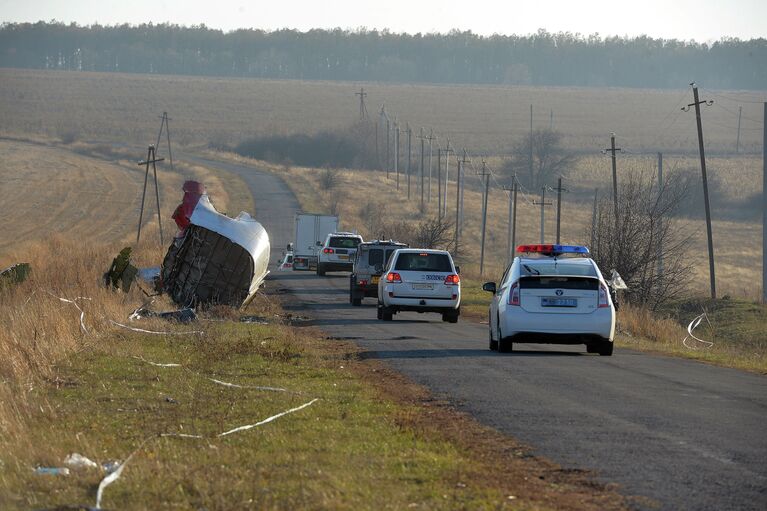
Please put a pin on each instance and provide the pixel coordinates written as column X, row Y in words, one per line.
column 268, row 419
column 692, row 326
column 74, row 302
column 180, row 435
column 155, row 363
column 197, row 332
column 255, row 387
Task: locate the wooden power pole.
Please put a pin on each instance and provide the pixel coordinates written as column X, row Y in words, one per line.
column 409, row 154
column 764, row 206
column 696, row 103
column 613, row 150
column 512, row 232
column 150, row 159
column 486, row 176
column 543, row 205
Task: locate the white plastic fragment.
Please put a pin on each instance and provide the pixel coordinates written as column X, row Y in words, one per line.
column 155, row 363
column 155, row 332
column 74, row 302
column 268, row 419
column 692, row 326
column 255, row 387
column 54, row 471
column 180, row 435
column 77, row 460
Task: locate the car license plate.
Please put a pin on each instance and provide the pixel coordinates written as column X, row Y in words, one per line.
column 345, row 257
column 423, row 286
column 375, row 279
column 559, row 302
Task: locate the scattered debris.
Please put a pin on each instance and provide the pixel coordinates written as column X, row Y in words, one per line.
column 122, row 273
column 54, row 471
column 15, row 274
column 76, row 460
column 692, row 326
column 213, row 258
column 74, row 302
column 143, row 331
column 185, row 315
column 268, row 419
column 170, row 400
column 255, row 387
column 257, row 320
column 110, row 466
column 156, row 364
column 616, row 281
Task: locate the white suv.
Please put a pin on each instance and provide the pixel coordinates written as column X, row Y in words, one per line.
column 338, row 252
column 420, row 280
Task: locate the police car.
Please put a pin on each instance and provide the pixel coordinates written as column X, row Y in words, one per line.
column 420, row 280
column 552, row 294
column 338, row 252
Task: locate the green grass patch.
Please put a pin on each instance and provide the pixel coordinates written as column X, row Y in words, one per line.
column 347, row 451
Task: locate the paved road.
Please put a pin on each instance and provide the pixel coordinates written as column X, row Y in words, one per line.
column 688, row 435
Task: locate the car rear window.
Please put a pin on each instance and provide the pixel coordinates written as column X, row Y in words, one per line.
column 561, row 268
column 410, row 261
column 585, row 283
column 339, row 242
column 375, row 256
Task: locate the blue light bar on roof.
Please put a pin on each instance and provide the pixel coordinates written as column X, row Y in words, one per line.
column 549, row 249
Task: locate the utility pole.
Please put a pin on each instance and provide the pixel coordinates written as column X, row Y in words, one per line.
column 422, row 173
column 150, row 159
column 613, row 150
column 458, row 199
column 447, row 175
column 594, row 220
column 396, row 152
column 512, row 233
column 463, row 190
column 363, row 109
column 696, row 103
column 430, row 138
column 551, row 120
column 764, row 206
column 164, row 122
column 543, row 205
column 661, row 184
column 532, row 178
column 388, row 147
column 439, row 182
column 737, row 140
column 409, row 154
column 486, row 176
column 559, row 203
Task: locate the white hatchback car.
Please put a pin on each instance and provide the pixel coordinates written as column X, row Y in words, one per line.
column 552, row 294
column 420, row 280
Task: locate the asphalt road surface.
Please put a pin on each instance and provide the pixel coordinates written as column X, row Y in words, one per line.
column 687, row 435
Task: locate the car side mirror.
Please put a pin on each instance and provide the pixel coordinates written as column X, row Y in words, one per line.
column 489, row 287
column 457, row 269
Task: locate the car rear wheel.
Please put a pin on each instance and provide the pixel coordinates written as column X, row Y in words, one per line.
column 386, row 314
column 379, row 311
column 504, row 345
column 606, row 349
column 450, row 317
column 493, row 342
column 320, row 270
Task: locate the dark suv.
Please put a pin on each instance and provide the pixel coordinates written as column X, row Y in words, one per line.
column 369, row 263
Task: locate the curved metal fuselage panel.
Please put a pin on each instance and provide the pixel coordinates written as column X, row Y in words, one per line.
column 219, row 260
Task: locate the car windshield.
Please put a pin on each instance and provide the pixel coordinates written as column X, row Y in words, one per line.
column 339, row 242
column 539, row 267
column 413, row 261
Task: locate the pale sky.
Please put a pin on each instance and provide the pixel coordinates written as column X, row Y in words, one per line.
column 702, row 20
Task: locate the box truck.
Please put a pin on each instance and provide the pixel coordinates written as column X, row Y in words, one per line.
column 311, row 231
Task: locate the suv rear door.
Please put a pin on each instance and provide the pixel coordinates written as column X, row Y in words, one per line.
column 423, row 275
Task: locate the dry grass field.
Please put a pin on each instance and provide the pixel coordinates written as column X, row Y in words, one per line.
column 90, row 193
column 483, row 119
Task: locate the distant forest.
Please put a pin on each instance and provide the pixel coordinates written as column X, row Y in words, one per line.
column 561, row 59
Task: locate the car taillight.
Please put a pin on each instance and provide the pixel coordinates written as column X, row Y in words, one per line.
column 363, row 282
column 603, row 300
column 514, row 294
column 452, row 280
column 328, row 251
column 393, row 277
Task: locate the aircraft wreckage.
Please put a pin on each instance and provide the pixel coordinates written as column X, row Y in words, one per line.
column 213, row 259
